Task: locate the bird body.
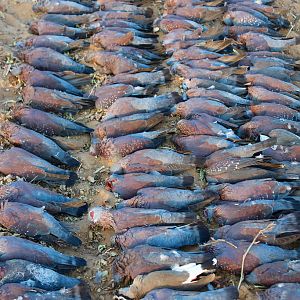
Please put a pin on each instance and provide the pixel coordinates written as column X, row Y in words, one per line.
column 17, row 248
column 34, row 222
column 128, row 185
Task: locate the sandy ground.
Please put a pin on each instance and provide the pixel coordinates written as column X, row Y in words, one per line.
column 96, row 248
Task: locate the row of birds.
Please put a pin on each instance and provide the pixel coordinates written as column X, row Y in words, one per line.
column 147, row 179
column 239, row 113
column 36, row 153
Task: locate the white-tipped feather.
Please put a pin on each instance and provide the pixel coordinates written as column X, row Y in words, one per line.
column 263, row 137
column 193, row 271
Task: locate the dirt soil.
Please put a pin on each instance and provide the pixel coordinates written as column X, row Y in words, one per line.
column 96, row 248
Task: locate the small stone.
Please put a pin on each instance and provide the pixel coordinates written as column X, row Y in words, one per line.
column 100, row 275
column 103, row 262
column 91, row 179
column 113, row 253
column 101, row 248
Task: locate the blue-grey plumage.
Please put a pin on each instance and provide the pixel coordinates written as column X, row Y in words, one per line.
column 192, row 53
column 18, row 290
column 55, row 101
column 205, row 124
column 201, row 146
column 114, row 148
column 34, row 275
column 205, row 105
column 227, row 98
column 46, row 79
column 245, row 18
column 261, row 62
column 126, row 106
column 233, row 212
column 262, row 125
column 145, row 259
column 227, row 293
column 229, row 255
column 18, row 162
column 225, row 76
column 56, row 42
column 42, row 27
column 165, row 161
column 128, row 7
column 97, row 25
column 145, row 79
column 163, row 236
column 263, row 95
column 255, row 9
column 119, row 221
column 30, row 190
column 68, row 20
column 47, row 59
column 255, row 1
column 122, row 126
column 285, row 137
column 36, row 143
column 136, row 32
column 282, row 231
column 211, row 84
column 267, row 189
column 107, row 94
column 278, row 72
column 110, row 37
column 254, row 41
column 127, row 185
column 281, row 291
column 275, row 272
column 141, row 55
column 35, row 222
column 47, row 123
column 170, row 22
column 111, row 62
column 31, row 194
column 172, row 199
column 62, row 7
column 226, row 159
column 17, row 248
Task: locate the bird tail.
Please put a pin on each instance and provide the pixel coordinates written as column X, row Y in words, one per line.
column 79, row 44
column 217, row 45
column 235, row 112
column 75, row 79
column 278, row 20
column 187, row 181
column 166, row 74
column 74, row 208
column 230, row 292
column 70, row 161
column 73, row 240
column 250, row 150
column 208, row 200
column 72, row 178
column 70, row 262
column 86, row 70
column 157, row 141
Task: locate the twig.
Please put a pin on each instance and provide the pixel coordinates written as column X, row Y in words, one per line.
column 292, row 27
column 213, row 241
column 262, row 231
